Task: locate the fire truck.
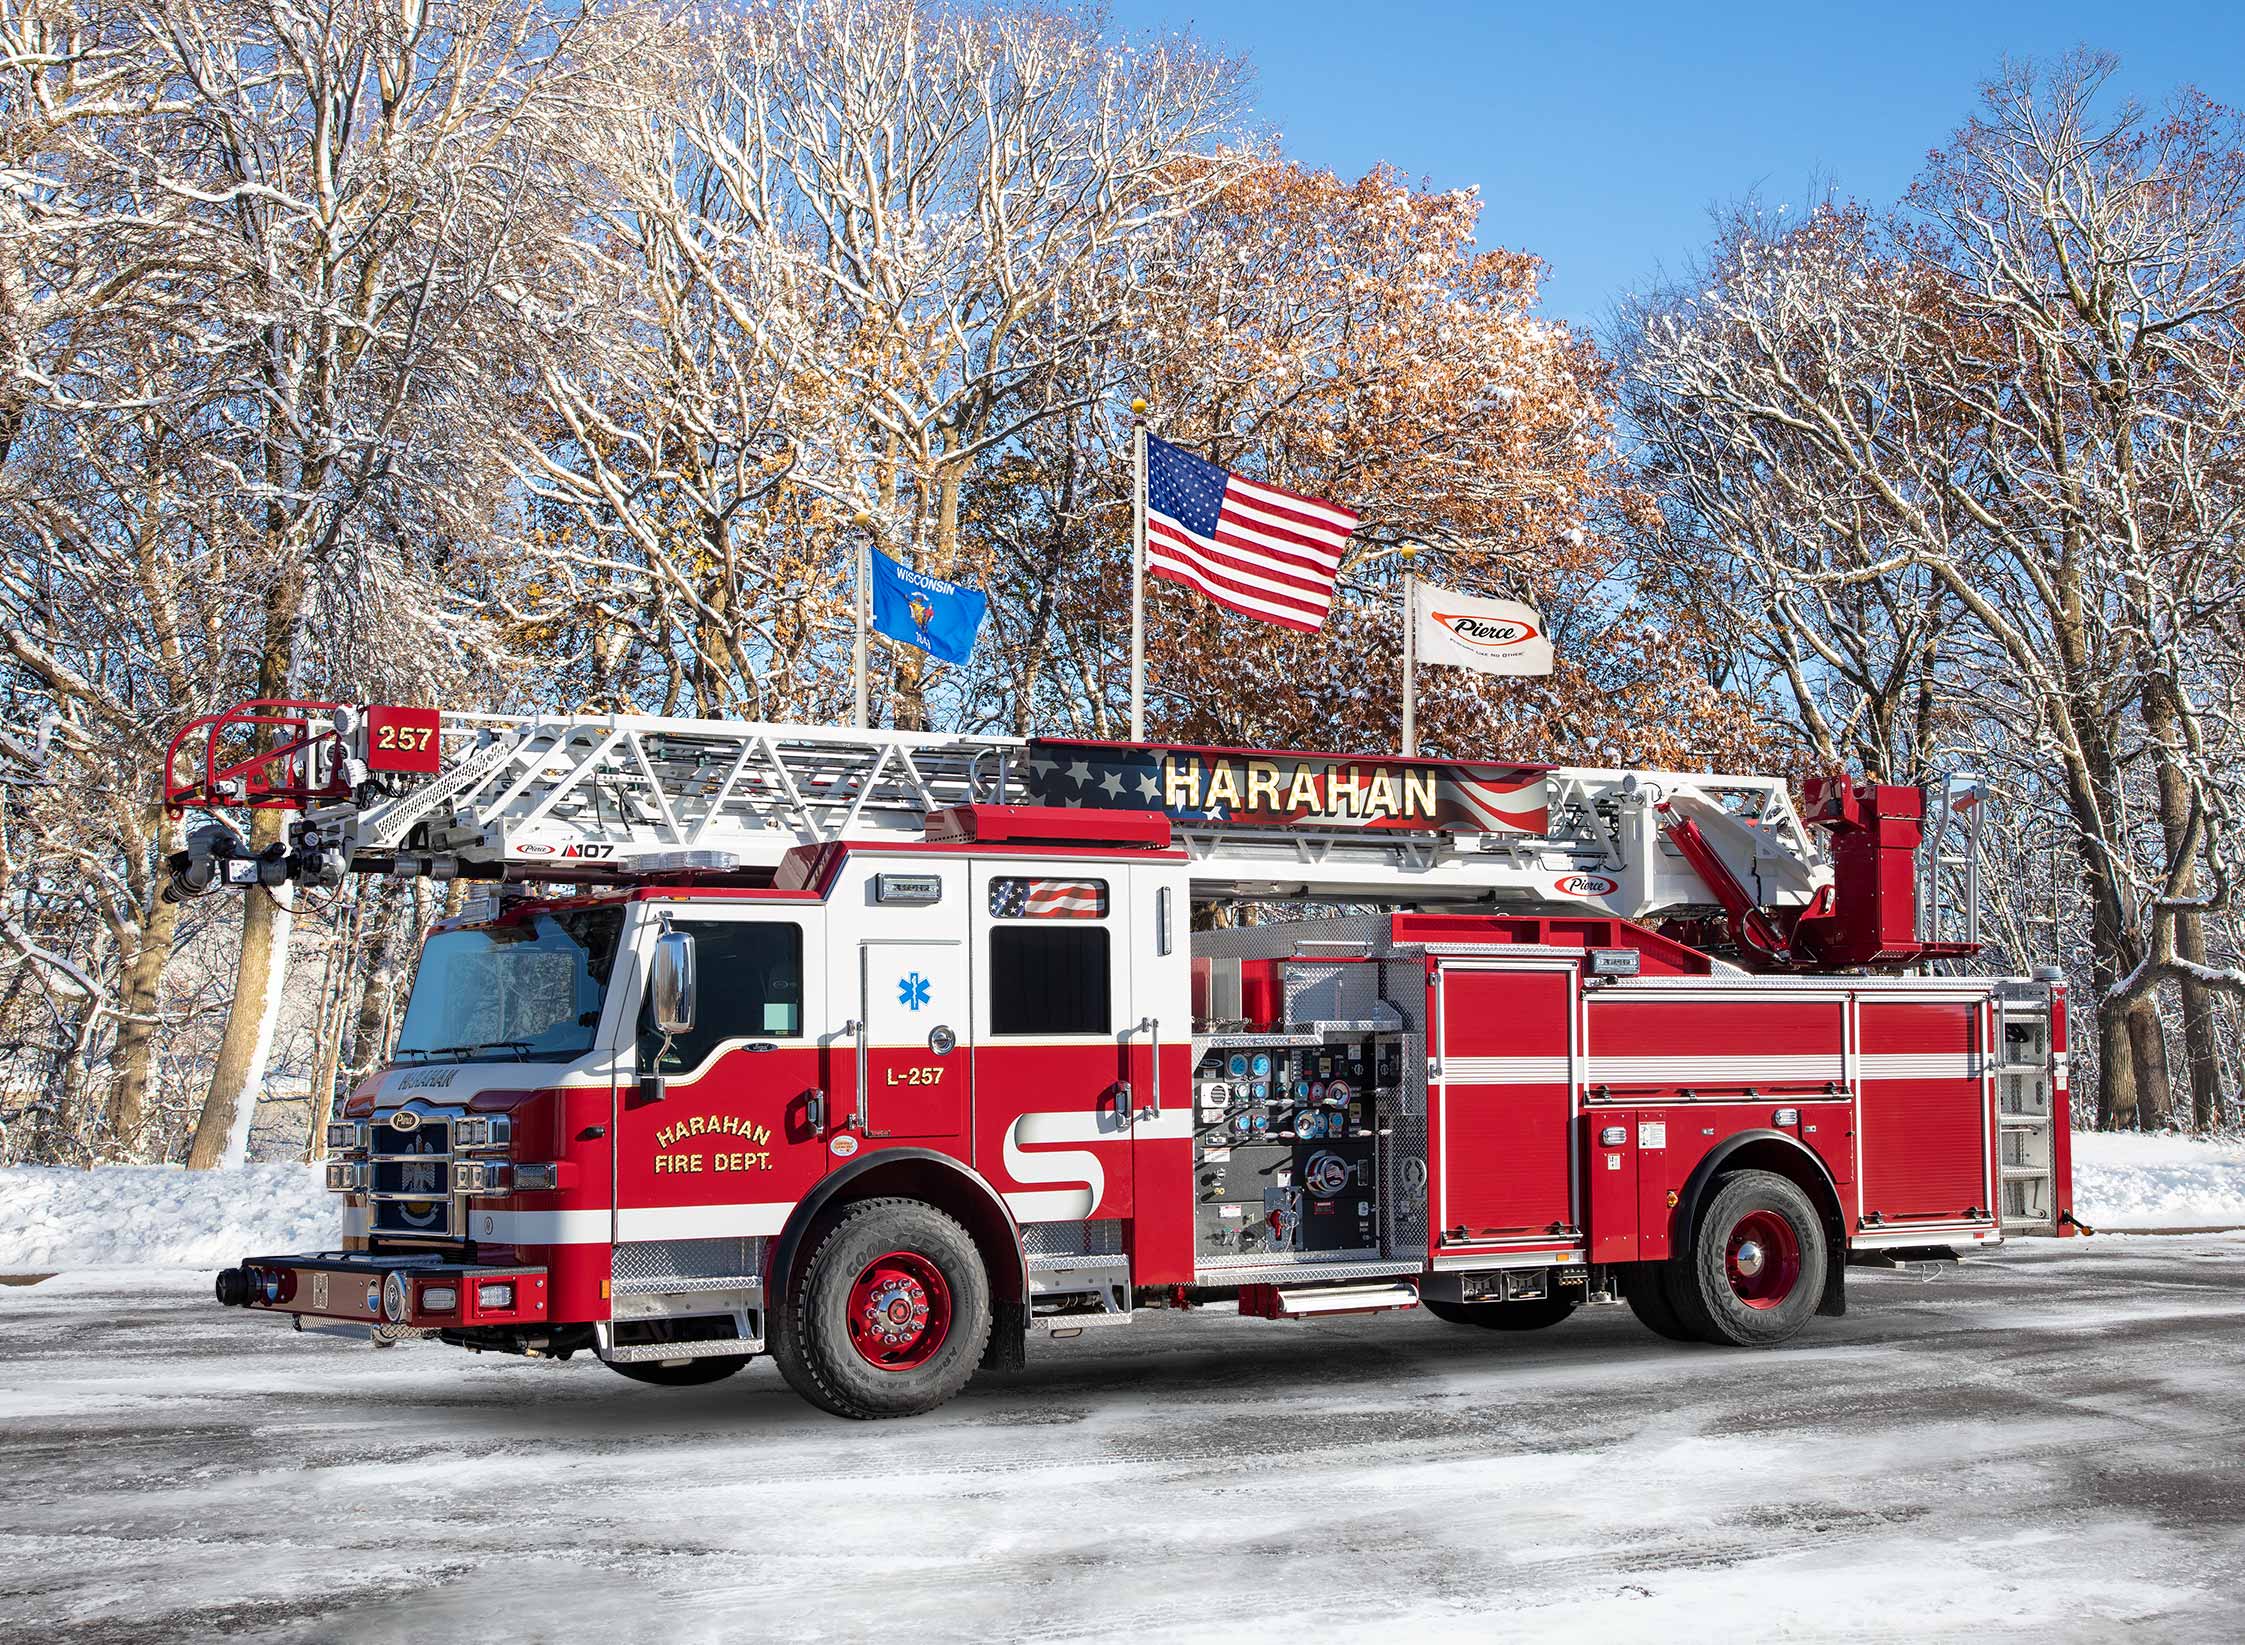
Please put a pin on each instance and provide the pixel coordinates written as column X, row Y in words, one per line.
column 879, row 1051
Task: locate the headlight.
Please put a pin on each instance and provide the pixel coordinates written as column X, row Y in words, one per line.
column 482, row 1177
column 345, row 1176
column 346, row 1137
column 482, row 1131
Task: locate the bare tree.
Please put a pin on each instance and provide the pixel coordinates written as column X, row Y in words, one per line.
column 2026, row 387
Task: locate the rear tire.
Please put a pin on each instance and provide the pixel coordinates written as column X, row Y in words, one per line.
column 1755, row 1271
column 1646, row 1288
column 888, row 1315
column 681, row 1373
column 1501, row 1316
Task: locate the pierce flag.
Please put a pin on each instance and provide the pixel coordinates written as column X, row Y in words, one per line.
column 1494, row 636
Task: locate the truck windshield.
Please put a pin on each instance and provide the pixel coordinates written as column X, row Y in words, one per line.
column 523, row 989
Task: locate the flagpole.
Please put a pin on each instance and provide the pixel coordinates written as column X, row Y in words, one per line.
column 864, row 571
column 1137, row 571
column 1410, row 553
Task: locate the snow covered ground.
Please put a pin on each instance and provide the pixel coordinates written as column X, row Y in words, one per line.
column 2038, row 1444
column 122, row 1215
column 119, row 1215
column 2131, row 1180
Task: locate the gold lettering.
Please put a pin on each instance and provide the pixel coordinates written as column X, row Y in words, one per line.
column 1418, row 793
column 1343, row 789
column 1223, row 786
column 1380, row 796
column 1303, row 795
column 1181, row 785
column 1262, row 784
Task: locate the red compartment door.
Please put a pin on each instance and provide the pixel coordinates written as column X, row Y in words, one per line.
column 1922, row 1146
column 1501, row 1107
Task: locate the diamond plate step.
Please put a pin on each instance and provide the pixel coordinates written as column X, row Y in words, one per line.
column 641, row 1353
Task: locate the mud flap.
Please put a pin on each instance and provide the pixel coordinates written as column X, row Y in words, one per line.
column 1834, row 1302
column 1008, row 1348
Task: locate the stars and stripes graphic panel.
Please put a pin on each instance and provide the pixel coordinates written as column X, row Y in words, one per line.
column 1040, row 899
column 1250, row 547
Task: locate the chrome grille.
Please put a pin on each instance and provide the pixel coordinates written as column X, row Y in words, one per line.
column 410, row 1177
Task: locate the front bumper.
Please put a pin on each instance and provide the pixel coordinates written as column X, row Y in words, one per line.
column 353, row 1287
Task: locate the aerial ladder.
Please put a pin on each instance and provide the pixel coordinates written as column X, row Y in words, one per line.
column 593, row 798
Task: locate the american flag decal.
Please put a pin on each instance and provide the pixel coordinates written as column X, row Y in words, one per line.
column 1012, row 899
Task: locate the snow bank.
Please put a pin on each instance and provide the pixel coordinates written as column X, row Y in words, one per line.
column 137, row 1215
column 2127, row 1179
column 130, row 1215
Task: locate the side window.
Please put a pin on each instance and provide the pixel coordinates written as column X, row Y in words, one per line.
column 748, row 986
column 1049, row 978
column 1041, row 899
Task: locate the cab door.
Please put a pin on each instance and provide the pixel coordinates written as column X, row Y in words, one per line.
column 729, row 1138
column 1057, row 1049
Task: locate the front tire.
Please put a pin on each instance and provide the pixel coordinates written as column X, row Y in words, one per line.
column 889, row 1314
column 1501, row 1316
column 680, row 1373
column 1755, row 1272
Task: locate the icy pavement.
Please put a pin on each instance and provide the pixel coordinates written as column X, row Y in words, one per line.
column 2042, row 1443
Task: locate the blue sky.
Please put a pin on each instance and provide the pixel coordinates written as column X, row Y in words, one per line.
column 1600, row 137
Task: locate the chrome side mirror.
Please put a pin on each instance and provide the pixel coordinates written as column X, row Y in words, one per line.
column 672, row 980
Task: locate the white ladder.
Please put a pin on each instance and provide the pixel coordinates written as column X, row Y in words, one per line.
column 610, row 795
column 636, row 792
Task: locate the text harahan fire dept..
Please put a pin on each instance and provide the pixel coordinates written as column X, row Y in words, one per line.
column 876, row 1052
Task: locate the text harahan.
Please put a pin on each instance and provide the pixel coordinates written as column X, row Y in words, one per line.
column 1299, row 789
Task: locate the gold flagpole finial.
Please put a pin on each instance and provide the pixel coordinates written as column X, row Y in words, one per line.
column 1138, row 408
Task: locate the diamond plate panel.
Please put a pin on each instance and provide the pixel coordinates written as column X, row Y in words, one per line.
column 648, row 1264
column 1072, row 1239
column 1331, row 993
column 1279, row 939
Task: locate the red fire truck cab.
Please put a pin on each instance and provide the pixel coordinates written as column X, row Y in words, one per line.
column 887, row 1108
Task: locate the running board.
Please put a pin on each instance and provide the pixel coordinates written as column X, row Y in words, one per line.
column 642, row 1353
column 1306, row 1302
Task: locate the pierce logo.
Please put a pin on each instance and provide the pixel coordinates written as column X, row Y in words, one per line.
column 1585, row 885
column 1486, row 633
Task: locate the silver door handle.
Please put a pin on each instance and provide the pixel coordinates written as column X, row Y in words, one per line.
column 863, row 1116
column 1152, row 1030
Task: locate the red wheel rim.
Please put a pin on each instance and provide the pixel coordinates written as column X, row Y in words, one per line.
column 1763, row 1258
column 900, row 1311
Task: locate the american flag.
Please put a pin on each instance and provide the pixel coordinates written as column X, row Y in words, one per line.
column 1249, row 547
column 1048, row 899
